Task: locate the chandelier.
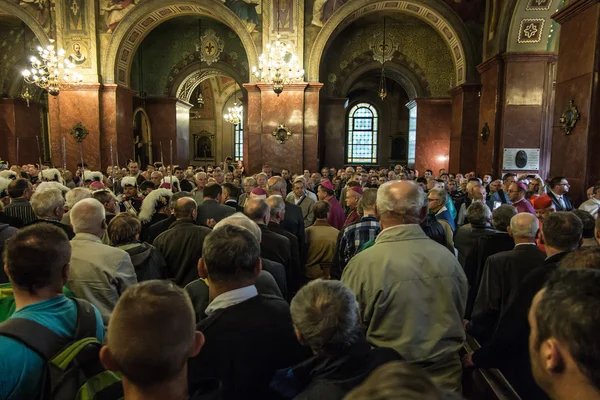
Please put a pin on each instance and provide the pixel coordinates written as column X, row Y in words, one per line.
column 51, row 71
column 278, row 65
column 382, row 83
column 236, row 112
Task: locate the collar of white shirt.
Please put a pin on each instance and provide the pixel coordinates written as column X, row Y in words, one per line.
column 231, row 298
column 525, row 244
column 558, row 196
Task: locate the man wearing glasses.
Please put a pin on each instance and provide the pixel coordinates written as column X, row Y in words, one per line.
column 559, row 187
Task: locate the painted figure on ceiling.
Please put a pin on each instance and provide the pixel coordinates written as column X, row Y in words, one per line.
column 323, row 9
column 246, row 10
column 115, row 11
column 41, row 10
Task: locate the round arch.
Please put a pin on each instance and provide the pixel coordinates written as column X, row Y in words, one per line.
column 138, row 23
column 403, row 75
column 437, row 15
column 189, row 78
column 28, row 19
column 531, row 27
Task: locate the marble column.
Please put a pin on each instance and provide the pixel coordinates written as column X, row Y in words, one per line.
column 575, row 156
column 19, row 121
column 333, row 131
column 297, row 107
column 170, row 122
column 117, row 124
column 464, row 132
column 434, row 120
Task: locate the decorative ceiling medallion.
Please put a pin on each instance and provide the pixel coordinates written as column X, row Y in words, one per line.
column 282, row 133
column 538, row 5
column 211, row 46
column 531, row 30
column 377, row 47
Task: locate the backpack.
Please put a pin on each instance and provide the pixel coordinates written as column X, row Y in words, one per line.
column 73, row 368
column 7, row 300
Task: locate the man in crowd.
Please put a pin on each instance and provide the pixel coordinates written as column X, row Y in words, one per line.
column 294, row 219
column 336, row 214
column 20, row 191
column 211, row 208
column 152, row 357
column 36, row 260
column 502, row 275
column 184, row 184
column 563, row 344
column 248, row 336
column 181, row 244
column 561, row 234
column 559, row 187
column 589, row 223
column 326, row 319
column 156, row 178
column 129, row 200
column 249, row 185
column 134, row 171
column 437, row 205
column 108, row 201
column 299, row 197
column 353, row 196
column 320, row 243
column 49, row 207
column 354, row 236
column 437, row 284
column 479, row 216
column 516, row 195
column 98, row 273
column 230, row 196
column 198, row 192
column 592, row 205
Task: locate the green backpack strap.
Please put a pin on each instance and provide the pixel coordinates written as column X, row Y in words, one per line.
column 86, row 320
column 35, row 336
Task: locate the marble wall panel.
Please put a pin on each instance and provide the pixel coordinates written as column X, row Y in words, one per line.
column 434, row 120
column 28, row 125
column 492, row 72
column 333, row 131
column 464, row 128
column 162, row 112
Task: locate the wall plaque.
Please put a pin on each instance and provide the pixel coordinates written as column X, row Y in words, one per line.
column 521, row 159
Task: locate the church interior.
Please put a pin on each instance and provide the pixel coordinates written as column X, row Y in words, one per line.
column 461, row 85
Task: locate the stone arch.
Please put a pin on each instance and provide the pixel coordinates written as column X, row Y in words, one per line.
column 187, row 79
column 443, row 20
column 138, row 23
column 532, row 28
column 403, row 75
column 18, row 11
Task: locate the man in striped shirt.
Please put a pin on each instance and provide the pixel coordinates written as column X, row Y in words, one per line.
column 20, row 191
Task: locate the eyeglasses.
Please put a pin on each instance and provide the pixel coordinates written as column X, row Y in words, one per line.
column 430, row 200
column 565, row 184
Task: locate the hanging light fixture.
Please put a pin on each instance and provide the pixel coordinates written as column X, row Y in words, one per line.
column 51, row 71
column 382, row 82
column 200, row 99
column 278, row 66
column 236, row 112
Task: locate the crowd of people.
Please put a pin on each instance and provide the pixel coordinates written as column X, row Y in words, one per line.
column 355, row 283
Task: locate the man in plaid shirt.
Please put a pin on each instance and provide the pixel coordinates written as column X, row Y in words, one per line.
column 354, row 236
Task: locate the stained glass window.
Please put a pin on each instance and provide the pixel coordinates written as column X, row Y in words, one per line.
column 412, row 136
column 361, row 140
column 238, row 141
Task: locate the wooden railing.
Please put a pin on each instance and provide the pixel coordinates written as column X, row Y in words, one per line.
column 485, row 384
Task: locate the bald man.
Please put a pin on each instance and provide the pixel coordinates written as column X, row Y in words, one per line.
column 181, row 244
column 431, row 294
column 503, row 273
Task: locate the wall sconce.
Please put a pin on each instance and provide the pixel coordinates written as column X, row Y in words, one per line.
column 485, row 133
column 569, row 118
column 282, row 133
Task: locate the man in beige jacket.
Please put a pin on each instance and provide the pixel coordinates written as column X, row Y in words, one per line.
column 321, row 241
column 411, row 290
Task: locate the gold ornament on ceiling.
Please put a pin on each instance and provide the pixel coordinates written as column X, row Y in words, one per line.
column 383, row 51
column 211, row 46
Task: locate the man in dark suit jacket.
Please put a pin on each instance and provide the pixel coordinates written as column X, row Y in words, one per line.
column 49, row 207
column 181, row 244
column 248, row 339
column 211, row 208
column 559, row 187
column 294, row 219
column 465, row 239
column 273, row 246
column 277, row 206
column 502, row 275
column 230, row 196
column 509, row 348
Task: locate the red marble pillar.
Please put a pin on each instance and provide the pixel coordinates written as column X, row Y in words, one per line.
column 18, row 120
column 297, row 107
column 434, row 120
column 490, row 111
column 169, row 121
column 333, row 131
column 465, row 132
column 575, row 156
column 76, row 104
column 117, row 124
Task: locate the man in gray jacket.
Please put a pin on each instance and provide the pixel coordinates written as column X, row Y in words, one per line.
column 98, row 273
column 411, row 290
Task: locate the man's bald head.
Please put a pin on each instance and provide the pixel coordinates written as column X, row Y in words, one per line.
column 185, row 208
column 400, row 201
column 524, row 226
column 258, row 211
column 276, row 185
column 277, row 206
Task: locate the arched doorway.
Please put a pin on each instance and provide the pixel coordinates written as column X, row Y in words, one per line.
column 142, row 138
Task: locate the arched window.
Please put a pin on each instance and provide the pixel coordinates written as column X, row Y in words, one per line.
column 361, row 139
